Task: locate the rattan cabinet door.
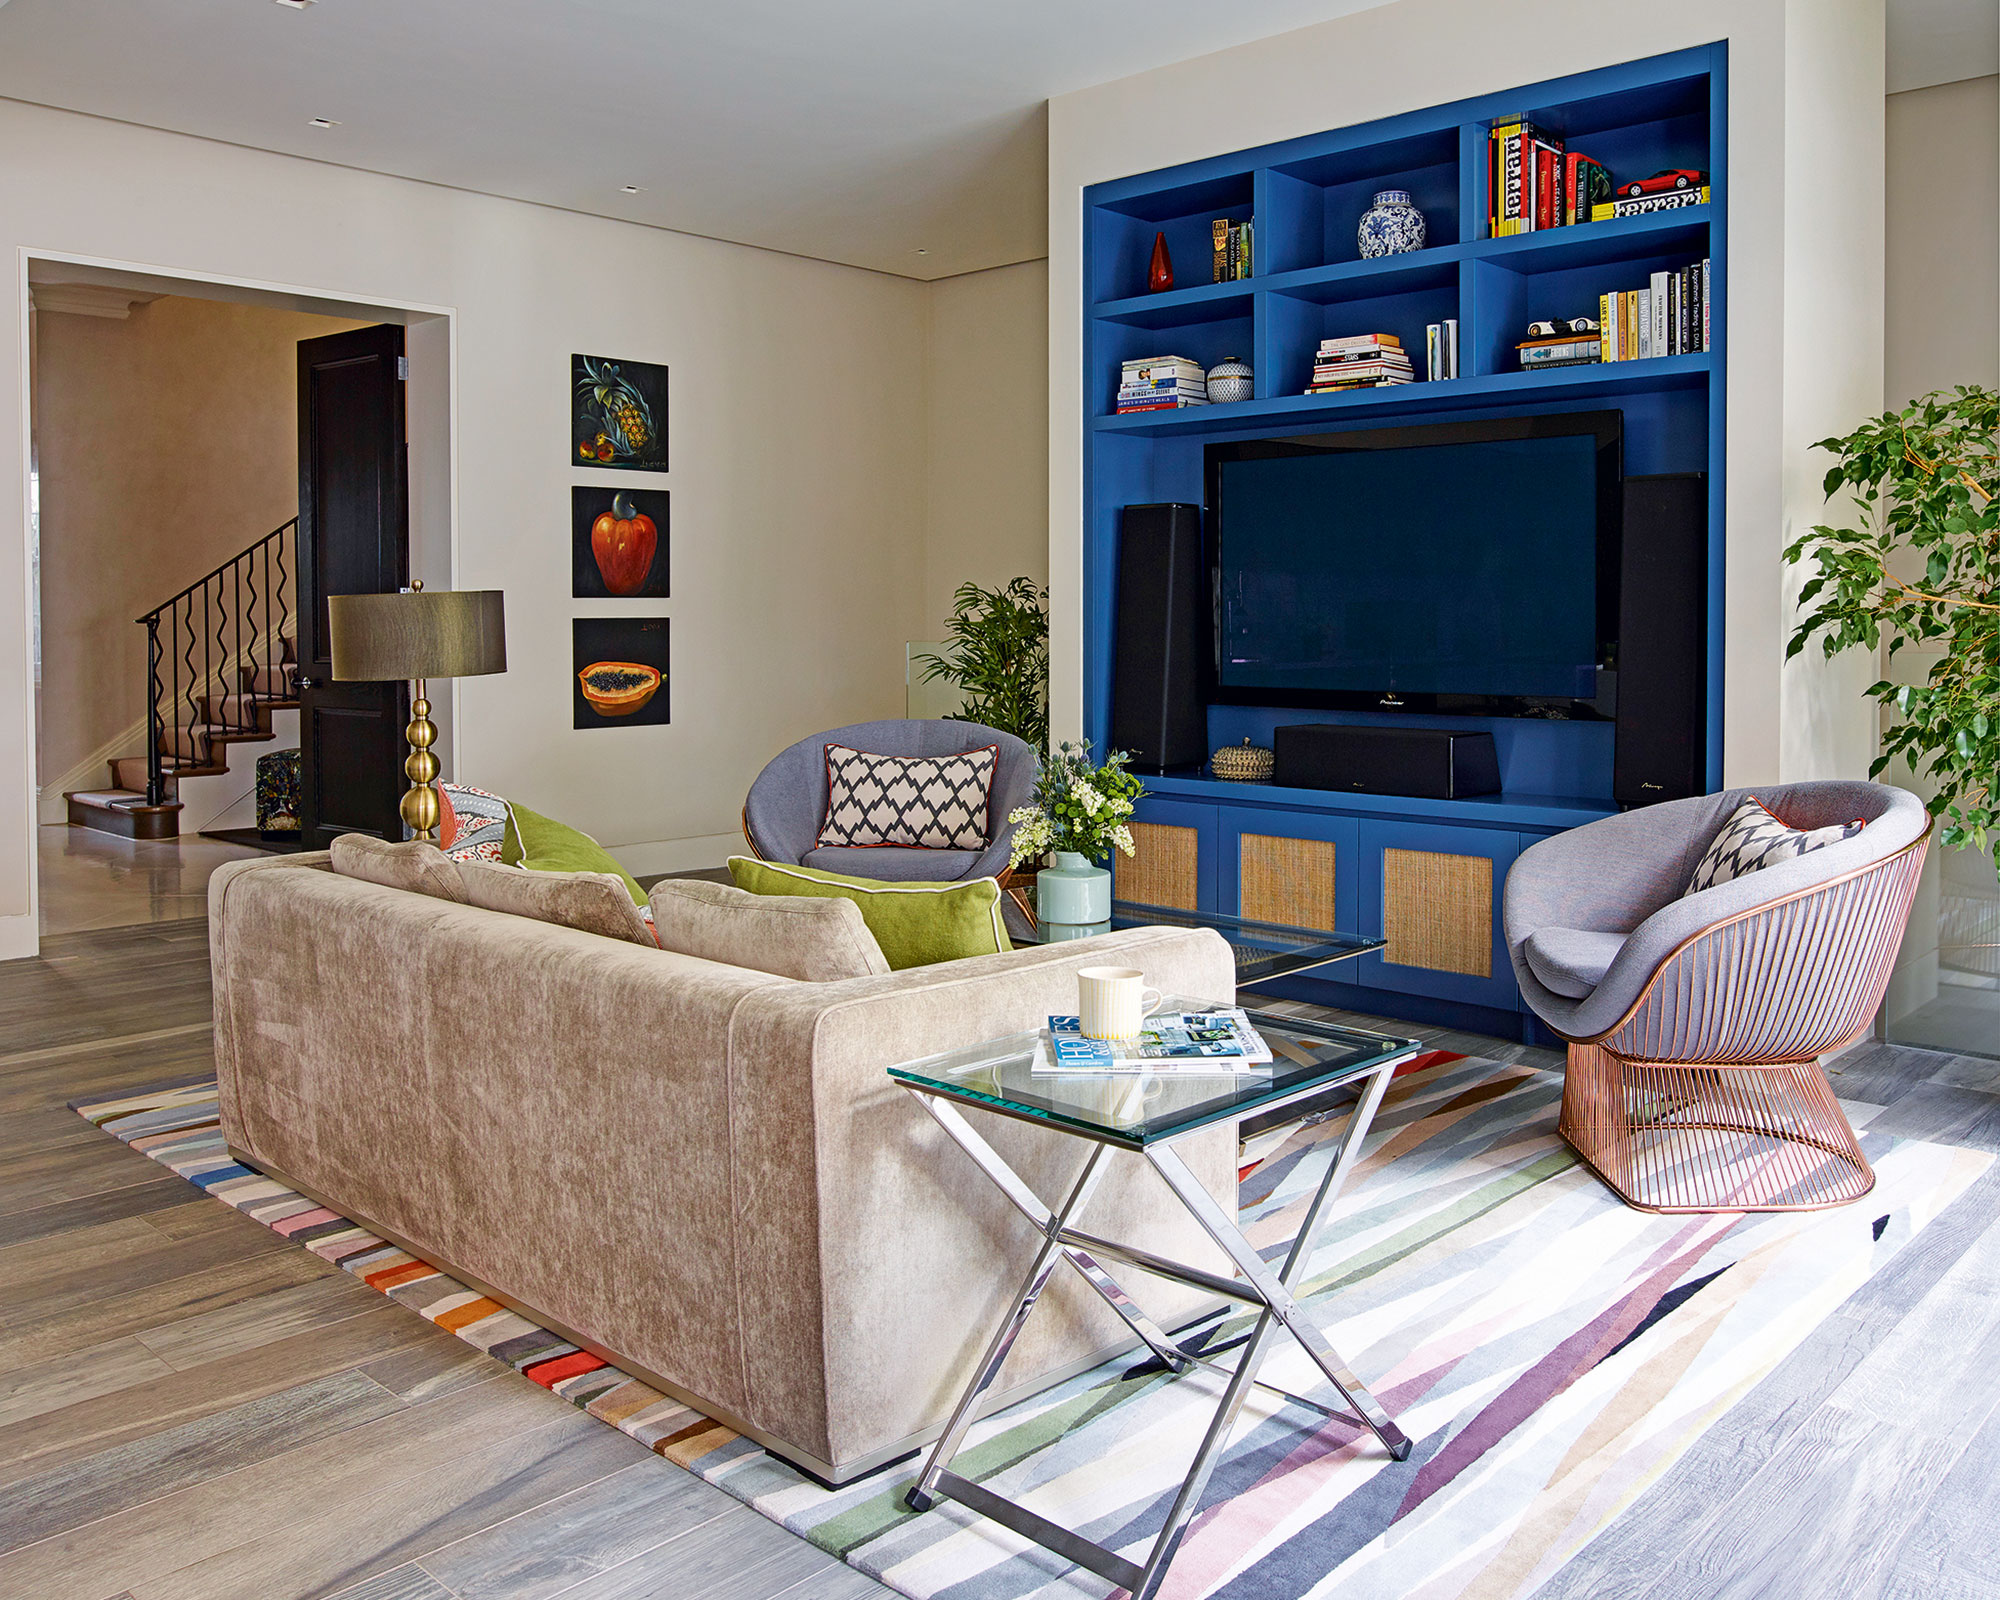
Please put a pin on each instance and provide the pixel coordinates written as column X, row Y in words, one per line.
column 1290, row 867
column 1434, row 893
column 1173, row 857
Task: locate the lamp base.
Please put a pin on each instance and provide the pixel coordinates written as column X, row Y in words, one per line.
column 419, row 808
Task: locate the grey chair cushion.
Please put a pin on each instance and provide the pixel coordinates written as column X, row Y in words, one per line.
column 1624, row 874
column 895, row 864
column 1571, row 961
column 786, row 804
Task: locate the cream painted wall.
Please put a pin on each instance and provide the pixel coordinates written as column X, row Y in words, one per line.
column 798, row 524
column 1942, row 328
column 986, row 485
column 167, row 441
column 1943, row 290
column 1799, row 71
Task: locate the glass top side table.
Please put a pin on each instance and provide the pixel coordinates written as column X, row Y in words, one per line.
column 1148, row 1113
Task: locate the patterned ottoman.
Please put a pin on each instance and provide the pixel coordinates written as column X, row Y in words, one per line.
column 278, row 794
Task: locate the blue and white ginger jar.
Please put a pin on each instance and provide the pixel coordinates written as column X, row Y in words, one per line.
column 1391, row 226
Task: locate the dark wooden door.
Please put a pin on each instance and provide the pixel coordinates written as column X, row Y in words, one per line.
column 353, row 539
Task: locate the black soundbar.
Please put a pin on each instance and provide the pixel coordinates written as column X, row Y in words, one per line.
column 1424, row 763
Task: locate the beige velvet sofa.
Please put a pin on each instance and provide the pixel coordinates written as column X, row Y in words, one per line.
column 700, row 1171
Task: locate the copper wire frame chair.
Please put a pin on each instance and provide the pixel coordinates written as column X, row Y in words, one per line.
column 1707, row 1094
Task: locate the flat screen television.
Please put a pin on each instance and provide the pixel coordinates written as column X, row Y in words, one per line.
column 1468, row 568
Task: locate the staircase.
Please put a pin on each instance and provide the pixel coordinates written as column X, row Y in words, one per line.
column 221, row 661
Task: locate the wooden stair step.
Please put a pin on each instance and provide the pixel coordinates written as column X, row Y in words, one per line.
column 123, row 812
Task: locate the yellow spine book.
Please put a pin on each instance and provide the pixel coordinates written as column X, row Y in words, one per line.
column 1604, row 327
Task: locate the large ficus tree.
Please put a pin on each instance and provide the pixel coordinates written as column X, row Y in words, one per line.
column 1922, row 570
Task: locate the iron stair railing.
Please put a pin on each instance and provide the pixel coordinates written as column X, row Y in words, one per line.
column 198, row 645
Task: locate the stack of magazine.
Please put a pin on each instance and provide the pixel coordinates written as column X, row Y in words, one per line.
column 1174, row 1042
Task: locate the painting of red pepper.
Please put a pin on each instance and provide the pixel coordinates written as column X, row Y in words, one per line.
column 618, row 543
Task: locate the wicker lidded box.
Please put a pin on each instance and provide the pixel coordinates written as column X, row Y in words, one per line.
column 1241, row 763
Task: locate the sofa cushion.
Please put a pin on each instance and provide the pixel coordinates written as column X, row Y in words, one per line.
column 415, row 865
column 890, row 864
column 914, row 923
column 919, row 802
column 472, row 823
column 1753, row 839
column 810, row 937
column 541, row 844
column 1571, row 961
column 595, row 902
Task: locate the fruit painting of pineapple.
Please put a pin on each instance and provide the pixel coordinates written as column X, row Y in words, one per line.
column 618, row 414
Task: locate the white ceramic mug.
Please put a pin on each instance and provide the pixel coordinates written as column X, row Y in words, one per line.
column 1113, row 1002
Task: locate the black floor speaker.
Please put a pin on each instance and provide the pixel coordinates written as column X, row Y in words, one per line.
column 1662, row 743
column 1156, row 705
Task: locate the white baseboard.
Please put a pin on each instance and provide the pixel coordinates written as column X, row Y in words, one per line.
column 678, row 855
column 20, row 937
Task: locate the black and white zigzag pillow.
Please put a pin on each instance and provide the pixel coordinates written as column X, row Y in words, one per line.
column 1753, row 839
column 923, row 802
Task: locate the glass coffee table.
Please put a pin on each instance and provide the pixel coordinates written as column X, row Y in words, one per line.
column 1146, row 1114
column 1263, row 949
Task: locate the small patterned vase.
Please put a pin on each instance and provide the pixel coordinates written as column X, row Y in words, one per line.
column 1391, row 226
column 1072, row 891
column 1230, row 380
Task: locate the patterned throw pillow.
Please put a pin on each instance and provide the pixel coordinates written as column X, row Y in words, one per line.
column 472, row 824
column 1753, row 839
column 922, row 802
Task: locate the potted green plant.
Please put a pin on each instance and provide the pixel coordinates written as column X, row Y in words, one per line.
column 1079, row 814
column 1922, row 570
column 998, row 656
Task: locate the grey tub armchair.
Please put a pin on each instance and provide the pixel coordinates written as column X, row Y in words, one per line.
column 782, row 816
column 1696, row 1021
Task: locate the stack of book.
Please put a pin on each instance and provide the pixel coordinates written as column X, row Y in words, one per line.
column 1669, row 317
column 1441, row 350
column 1637, row 205
column 1198, row 1043
column 1160, row 383
column 1578, row 349
column 1359, row 361
column 1232, row 237
column 1532, row 182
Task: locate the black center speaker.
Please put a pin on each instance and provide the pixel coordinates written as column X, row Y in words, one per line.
column 1662, row 738
column 1156, row 672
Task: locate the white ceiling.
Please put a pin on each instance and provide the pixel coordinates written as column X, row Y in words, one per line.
column 905, row 135
column 861, row 131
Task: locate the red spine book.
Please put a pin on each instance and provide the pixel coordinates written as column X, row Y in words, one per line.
column 1544, row 187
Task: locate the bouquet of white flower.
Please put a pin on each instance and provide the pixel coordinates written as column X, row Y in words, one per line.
column 1078, row 808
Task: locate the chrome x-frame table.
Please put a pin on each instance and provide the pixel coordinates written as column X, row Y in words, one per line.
column 999, row 1077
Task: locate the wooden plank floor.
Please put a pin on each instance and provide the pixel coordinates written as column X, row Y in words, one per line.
column 190, row 1407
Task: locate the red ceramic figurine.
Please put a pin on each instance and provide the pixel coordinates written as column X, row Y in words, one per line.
column 1161, row 277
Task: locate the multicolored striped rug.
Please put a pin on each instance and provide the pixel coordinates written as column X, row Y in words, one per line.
column 1550, row 1351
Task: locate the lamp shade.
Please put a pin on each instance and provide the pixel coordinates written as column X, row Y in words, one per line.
column 445, row 633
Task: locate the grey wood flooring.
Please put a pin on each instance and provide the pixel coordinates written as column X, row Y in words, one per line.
column 190, row 1407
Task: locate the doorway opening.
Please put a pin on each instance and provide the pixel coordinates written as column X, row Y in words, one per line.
column 174, row 425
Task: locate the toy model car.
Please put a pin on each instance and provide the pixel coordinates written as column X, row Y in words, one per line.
column 1556, row 327
column 1660, row 182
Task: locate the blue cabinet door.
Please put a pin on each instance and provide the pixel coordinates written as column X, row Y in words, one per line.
column 1296, row 867
column 1434, row 893
column 1173, row 858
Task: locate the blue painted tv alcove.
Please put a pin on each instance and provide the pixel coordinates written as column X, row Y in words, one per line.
column 1425, row 874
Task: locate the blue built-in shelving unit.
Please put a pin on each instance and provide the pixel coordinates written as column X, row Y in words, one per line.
column 1306, row 197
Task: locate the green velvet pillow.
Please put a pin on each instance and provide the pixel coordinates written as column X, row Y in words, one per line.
column 542, row 844
column 914, row 923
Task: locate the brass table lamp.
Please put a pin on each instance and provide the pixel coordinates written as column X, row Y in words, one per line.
column 453, row 633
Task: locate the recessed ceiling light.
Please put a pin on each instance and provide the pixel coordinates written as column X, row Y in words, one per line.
column 923, row 252
column 296, row 5
column 319, row 122
column 630, row 188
